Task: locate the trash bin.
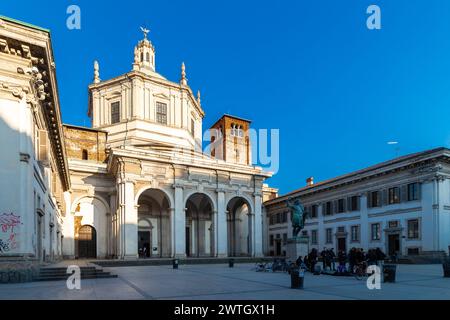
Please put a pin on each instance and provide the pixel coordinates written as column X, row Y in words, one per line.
column 446, row 267
column 389, row 271
column 175, row 263
column 231, row 263
column 295, row 279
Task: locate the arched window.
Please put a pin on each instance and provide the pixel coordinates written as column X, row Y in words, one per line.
column 148, row 57
column 142, row 57
column 85, row 154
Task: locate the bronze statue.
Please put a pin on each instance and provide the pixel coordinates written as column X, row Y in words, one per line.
column 298, row 216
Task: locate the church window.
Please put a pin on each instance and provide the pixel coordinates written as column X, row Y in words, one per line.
column 142, row 57
column 115, row 112
column 148, row 57
column 161, row 112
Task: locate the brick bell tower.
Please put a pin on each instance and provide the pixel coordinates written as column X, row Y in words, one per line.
column 230, row 140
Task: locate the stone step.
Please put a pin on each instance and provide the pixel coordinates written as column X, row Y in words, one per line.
column 83, row 277
column 182, row 261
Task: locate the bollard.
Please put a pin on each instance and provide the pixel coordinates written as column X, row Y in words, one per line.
column 231, row 263
column 389, row 271
column 175, row 263
column 446, row 267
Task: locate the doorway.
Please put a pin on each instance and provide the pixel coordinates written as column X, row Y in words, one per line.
column 341, row 245
column 393, row 244
column 87, row 242
column 278, row 248
column 144, row 244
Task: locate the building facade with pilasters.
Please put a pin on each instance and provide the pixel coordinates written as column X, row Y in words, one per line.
column 141, row 185
column 401, row 206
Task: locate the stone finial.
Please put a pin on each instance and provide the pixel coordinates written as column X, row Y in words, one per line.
column 183, row 80
column 199, row 101
column 96, row 72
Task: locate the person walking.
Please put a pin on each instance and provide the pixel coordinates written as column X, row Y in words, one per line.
column 332, row 257
column 323, row 255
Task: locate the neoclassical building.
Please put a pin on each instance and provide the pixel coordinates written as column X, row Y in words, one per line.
column 137, row 183
column 401, row 206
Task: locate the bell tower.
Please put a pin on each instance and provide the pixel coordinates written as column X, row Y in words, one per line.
column 144, row 54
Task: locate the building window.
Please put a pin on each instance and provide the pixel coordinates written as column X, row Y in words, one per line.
column 329, row 235
column 375, row 231
column 394, row 195
column 413, row 229
column 375, row 199
column 115, row 112
column 353, row 203
column 271, row 240
column 314, row 211
column 328, row 208
column 355, row 234
column 284, row 217
column 313, row 236
column 413, row 191
column 340, row 206
column 148, row 57
column 84, row 154
column 161, row 112
column 284, row 238
column 341, row 229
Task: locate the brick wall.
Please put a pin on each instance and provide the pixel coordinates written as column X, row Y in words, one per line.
column 85, row 142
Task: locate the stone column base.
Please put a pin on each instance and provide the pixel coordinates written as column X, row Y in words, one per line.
column 297, row 247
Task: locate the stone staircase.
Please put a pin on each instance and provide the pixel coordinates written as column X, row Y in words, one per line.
column 60, row 273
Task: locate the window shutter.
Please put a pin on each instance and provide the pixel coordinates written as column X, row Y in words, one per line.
column 349, row 204
column 404, row 193
column 358, row 203
column 43, row 145
column 369, row 199
column 324, row 209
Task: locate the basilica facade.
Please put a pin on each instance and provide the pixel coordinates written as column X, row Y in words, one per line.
column 137, row 184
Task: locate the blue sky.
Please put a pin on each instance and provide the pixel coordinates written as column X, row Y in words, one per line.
column 337, row 91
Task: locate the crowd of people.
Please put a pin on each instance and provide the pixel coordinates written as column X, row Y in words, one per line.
column 346, row 261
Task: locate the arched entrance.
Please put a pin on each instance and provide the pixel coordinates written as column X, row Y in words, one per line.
column 154, row 231
column 199, row 226
column 239, row 227
column 87, row 242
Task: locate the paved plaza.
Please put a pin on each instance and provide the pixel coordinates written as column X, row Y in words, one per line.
column 218, row 282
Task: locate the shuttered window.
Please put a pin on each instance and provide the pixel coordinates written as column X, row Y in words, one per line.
column 43, row 146
column 115, row 112
column 161, row 112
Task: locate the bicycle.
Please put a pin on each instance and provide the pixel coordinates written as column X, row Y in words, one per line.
column 360, row 270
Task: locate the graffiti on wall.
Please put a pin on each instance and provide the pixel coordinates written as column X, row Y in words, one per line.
column 9, row 223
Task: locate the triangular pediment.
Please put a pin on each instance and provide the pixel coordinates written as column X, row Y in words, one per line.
column 161, row 95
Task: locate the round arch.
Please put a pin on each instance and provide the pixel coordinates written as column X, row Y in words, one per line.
column 154, row 209
column 200, row 225
column 80, row 199
column 144, row 189
column 203, row 193
column 239, row 226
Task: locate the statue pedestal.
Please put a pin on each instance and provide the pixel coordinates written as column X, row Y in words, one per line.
column 297, row 247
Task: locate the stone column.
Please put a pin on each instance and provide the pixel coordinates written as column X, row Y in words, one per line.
column 258, row 227
column 129, row 221
column 180, row 222
column 221, row 226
